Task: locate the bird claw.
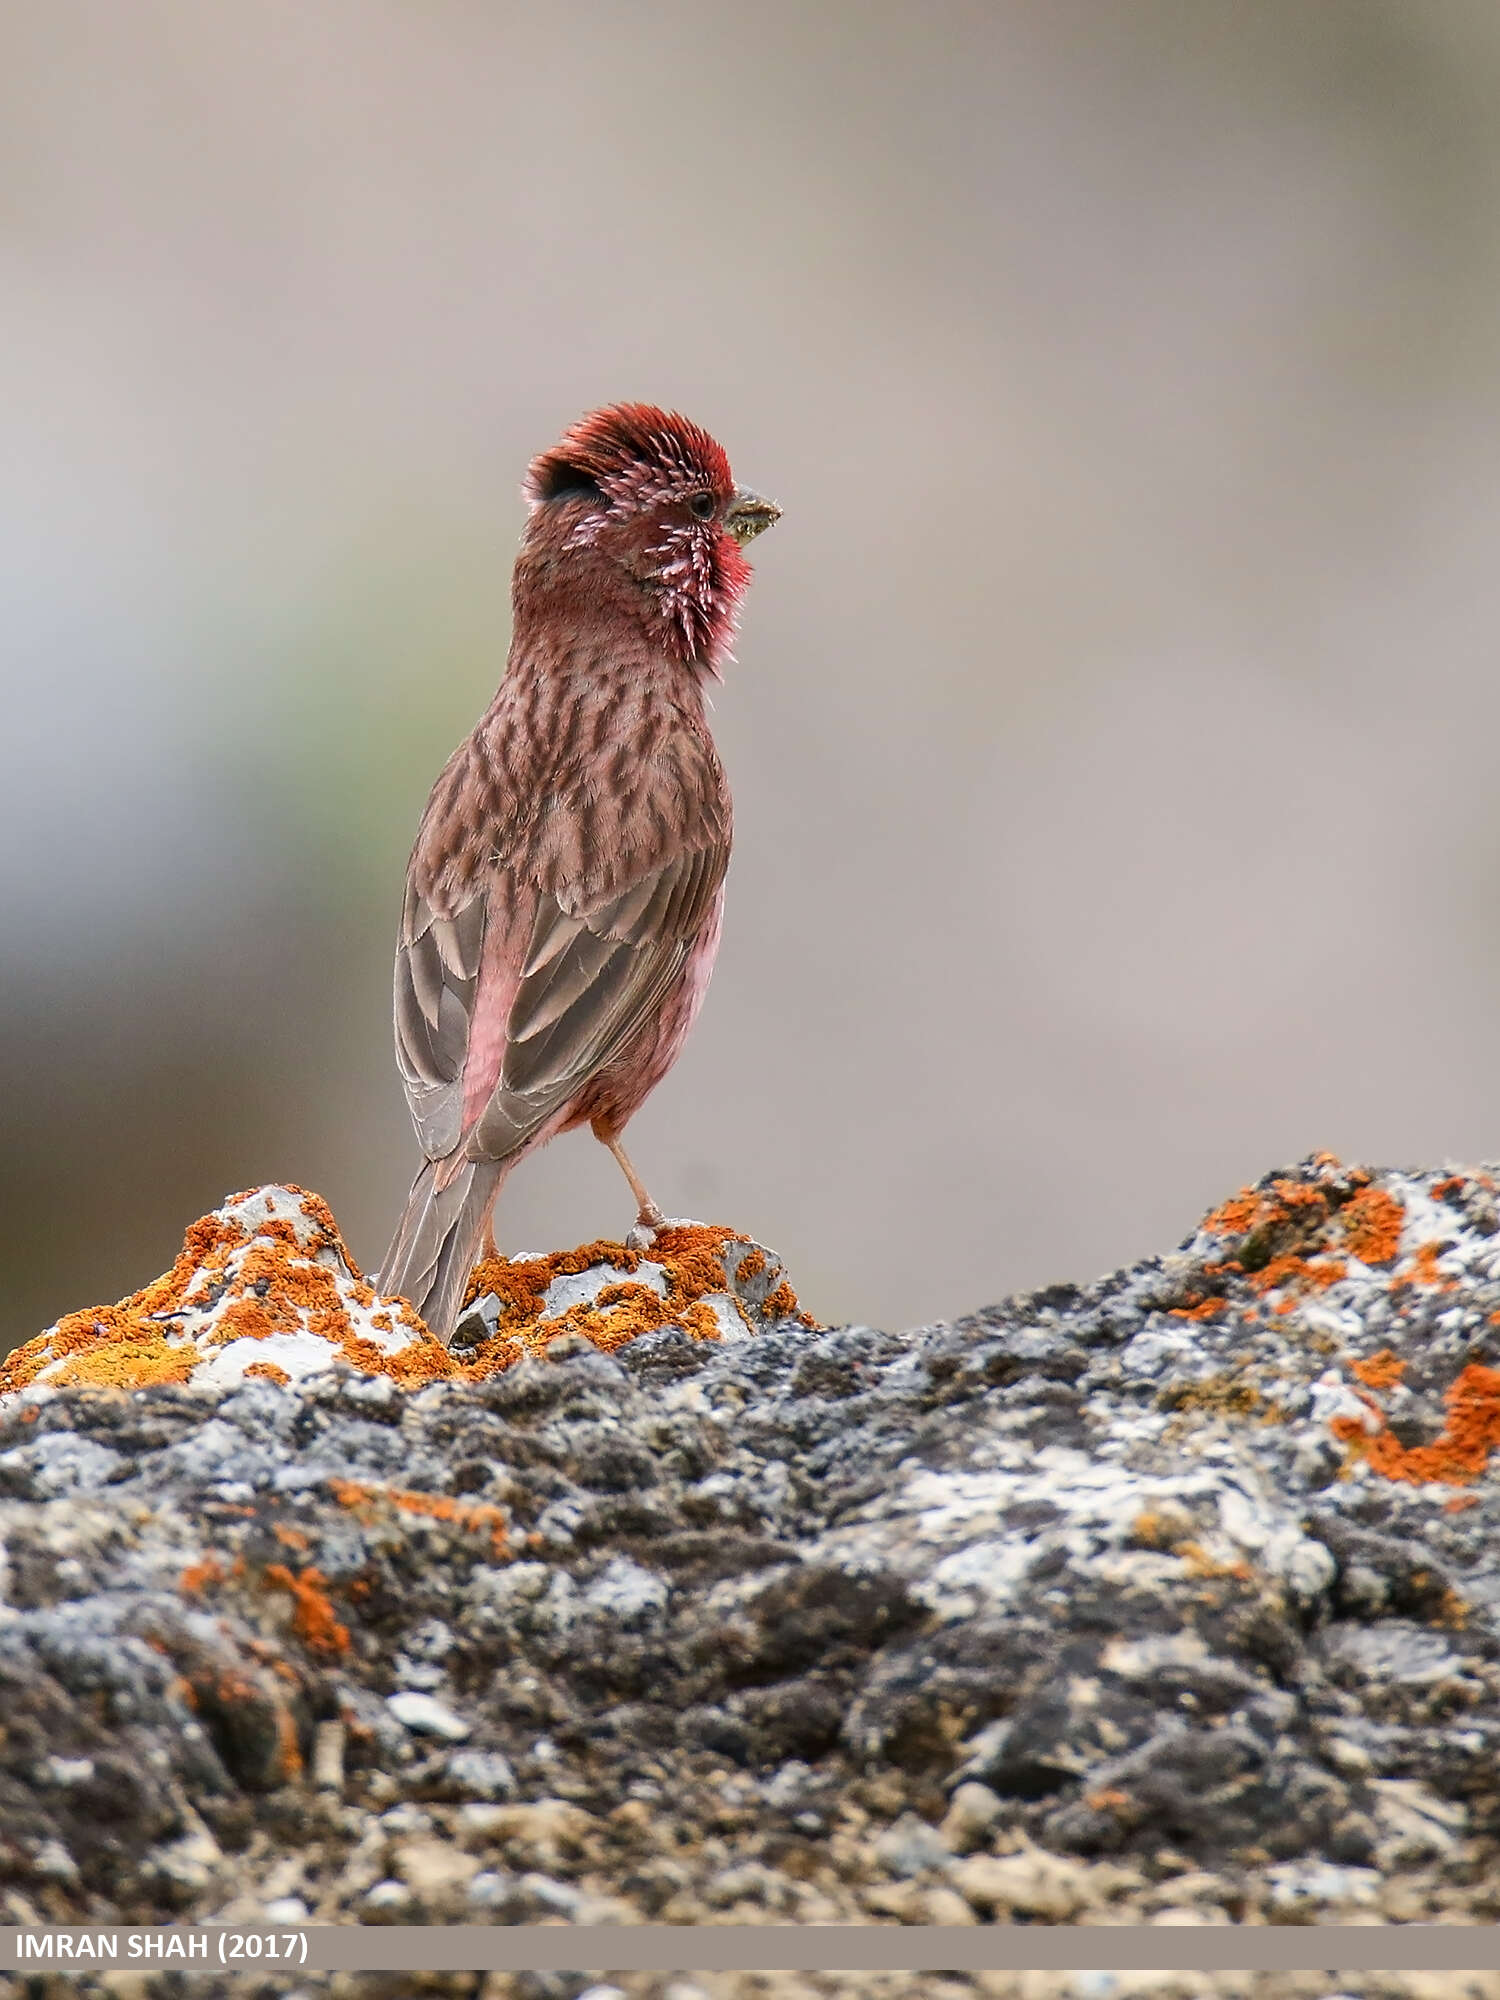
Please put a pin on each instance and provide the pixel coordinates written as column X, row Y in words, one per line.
column 642, row 1235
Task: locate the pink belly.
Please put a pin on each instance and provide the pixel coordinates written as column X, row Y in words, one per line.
column 614, row 1096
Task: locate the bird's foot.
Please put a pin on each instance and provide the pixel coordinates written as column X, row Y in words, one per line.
column 644, row 1233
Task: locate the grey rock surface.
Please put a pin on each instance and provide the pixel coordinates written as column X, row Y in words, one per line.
column 1171, row 1598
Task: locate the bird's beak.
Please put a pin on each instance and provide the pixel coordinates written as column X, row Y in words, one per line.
column 749, row 515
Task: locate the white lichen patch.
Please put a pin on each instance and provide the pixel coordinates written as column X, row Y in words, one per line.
column 582, row 1288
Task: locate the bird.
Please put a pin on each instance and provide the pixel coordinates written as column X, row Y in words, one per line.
column 565, row 892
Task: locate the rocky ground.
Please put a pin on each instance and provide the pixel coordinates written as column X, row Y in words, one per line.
column 1172, row 1599
column 775, row 1986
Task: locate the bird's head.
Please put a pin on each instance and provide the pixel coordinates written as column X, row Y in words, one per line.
column 652, row 495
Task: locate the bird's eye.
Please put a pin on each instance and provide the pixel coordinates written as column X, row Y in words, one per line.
column 702, row 504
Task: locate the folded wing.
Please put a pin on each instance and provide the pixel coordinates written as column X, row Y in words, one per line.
column 590, row 974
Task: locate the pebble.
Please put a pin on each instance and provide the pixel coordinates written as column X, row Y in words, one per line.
column 1031, row 1884
column 972, row 1811
column 427, row 1716
column 911, row 1847
column 485, row 1773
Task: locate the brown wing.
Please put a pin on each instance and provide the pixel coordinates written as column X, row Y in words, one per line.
column 590, row 975
column 437, row 975
column 594, row 970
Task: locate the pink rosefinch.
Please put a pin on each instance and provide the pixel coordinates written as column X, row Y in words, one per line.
column 564, row 895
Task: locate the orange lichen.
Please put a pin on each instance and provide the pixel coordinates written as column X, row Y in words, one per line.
column 470, row 1515
column 782, row 1304
column 694, row 1260
column 1235, row 1216
column 1423, row 1269
column 1149, row 1531
column 199, row 1575
column 288, row 1750
column 691, row 1258
column 275, row 1285
column 320, row 1215
column 1460, row 1452
column 1204, row 1309
column 313, row 1617
column 1111, row 1800
column 1379, row 1371
column 409, row 1367
column 246, row 1319
column 1296, row 1275
column 1443, row 1189
column 133, row 1358
column 701, row 1321
column 1279, row 1226
column 1200, row 1563
column 1372, row 1226
column 1256, row 1209
column 292, row 1538
column 619, row 1313
column 258, row 1281
column 1298, row 1237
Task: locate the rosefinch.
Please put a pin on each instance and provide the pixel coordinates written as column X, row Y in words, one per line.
column 564, row 895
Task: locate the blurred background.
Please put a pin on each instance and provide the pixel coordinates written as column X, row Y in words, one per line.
column 1114, row 735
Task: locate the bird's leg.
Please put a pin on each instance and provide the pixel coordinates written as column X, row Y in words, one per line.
column 488, row 1247
column 647, row 1214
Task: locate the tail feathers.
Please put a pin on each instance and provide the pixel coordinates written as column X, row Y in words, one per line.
column 438, row 1239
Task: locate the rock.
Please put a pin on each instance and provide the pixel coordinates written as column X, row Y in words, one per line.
column 1195, row 1887
column 483, row 1774
column 390, row 1902
column 286, row 1910
column 437, row 1872
column 422, row 1713
column 1304, row 1892
column 937, row 1905
column 264, row 1290
column 1166, row 1599
column 750, row 1882
column 543, row 1833
column 491, row 1890
column 972, row 1811
column 1032, row 1884
column 911, row 1847
column 626, row 1593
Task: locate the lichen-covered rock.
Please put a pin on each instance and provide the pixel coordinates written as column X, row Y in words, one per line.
column 1172, row 1598
column 264, row 1288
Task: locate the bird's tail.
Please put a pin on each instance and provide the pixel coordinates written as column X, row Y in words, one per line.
column 438, row 1239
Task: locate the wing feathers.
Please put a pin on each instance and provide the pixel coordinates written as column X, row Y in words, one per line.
column 579, row 1004
column 460, row 937
column 543, row 999
column 575, row 987
column 424, row 964
column 437, row 964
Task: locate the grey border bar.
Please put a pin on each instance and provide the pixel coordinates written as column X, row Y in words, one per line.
column 775, row 1948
